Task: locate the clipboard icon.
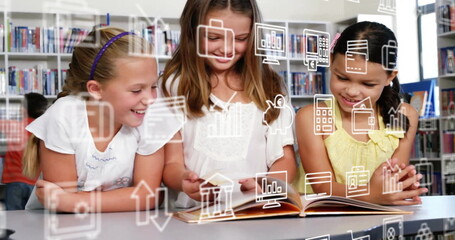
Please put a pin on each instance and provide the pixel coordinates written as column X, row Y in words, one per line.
column 363, row 109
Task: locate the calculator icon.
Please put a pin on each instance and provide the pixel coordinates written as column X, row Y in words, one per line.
column 324, row 114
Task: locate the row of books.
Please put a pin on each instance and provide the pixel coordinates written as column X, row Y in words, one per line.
column 446, row 16
column 44, row 40
column 448, row 142
column 166, row 41
column 448, row 102
column 296, row 46
column 447, row 60
column 37, row 79
column 304, row 83
column 426, row 145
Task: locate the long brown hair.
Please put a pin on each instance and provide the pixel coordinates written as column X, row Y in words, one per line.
column 79, row 73
column 261, row 83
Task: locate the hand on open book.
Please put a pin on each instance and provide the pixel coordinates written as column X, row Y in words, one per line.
column 249, row 184
column 191, row 185
column 406, row 188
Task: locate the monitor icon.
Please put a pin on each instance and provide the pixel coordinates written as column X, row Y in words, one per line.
column 270, row 42
column 270, row 190
column 316, row 52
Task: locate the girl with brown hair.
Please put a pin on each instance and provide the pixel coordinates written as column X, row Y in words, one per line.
column 227, row 88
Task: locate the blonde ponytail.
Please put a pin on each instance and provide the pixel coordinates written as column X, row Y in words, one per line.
column 30, row 159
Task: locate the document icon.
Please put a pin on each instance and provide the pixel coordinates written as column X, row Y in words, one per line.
column 357, row 182
column 319, row 178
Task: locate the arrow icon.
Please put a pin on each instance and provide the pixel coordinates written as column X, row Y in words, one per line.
column 167, row 216
column 142, row 220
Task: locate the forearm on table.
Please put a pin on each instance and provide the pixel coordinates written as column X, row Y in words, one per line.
column 118, row 200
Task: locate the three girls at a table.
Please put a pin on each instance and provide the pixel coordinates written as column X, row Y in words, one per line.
column 227, row 81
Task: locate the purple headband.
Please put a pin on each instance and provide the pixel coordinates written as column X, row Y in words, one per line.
column 103, row 49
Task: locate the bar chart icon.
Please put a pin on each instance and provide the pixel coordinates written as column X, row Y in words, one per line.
column 392, row 182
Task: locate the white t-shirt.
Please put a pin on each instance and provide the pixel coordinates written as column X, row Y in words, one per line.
column 64, row 129
column 233, row 141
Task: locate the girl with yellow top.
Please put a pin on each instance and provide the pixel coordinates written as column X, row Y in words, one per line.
column 383, row 149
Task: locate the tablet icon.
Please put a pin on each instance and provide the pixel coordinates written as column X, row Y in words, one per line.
column 357, row 182
column 392, row 228
column 362, row 118
column 319, row 178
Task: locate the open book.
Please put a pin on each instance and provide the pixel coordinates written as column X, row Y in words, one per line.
column 274, row 202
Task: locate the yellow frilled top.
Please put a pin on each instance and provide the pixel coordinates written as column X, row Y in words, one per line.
column 345, row 152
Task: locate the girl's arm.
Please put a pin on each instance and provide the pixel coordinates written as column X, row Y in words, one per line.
column 312, row 151
column 286, row 163
column 314, row 157
column 403, row 152
column 58, row 168
column 175, row 174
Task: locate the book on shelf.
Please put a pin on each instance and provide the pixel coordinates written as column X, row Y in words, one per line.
column 421, row 95
column 249, row 205
column 446, row 16
column 304, row 83
column 448, row 102
column 37, row 79
column 426, row 145
column 418, row 101
column 28, row 39
column 165, row 43
column 447, row 60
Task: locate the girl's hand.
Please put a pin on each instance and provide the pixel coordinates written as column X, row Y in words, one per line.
column 43, row 188
column 191, row 184
column 249, row 184
column 410, row 193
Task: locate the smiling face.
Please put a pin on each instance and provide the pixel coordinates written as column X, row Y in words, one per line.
column 132, row 90
column 351, row 88
column 218, row 44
